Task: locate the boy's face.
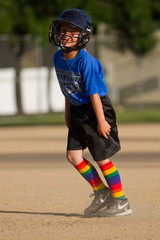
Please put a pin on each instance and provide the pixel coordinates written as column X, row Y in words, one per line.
column 68, row 35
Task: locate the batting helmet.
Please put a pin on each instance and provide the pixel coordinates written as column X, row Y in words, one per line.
column 77, row 19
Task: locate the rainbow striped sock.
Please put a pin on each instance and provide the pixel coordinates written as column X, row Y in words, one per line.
column 112, row 177
column 88, row 171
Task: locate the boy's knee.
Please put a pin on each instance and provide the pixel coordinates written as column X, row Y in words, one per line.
column 69, row 157
column 74, row 157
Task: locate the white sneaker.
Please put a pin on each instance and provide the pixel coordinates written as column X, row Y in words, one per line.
column 100, row 201
column 117, row 207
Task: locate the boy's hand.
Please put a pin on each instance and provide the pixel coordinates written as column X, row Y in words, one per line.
column 104, row 128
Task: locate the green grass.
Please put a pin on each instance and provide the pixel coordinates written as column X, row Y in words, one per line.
column 125, row 116
column 138, row 116
column 32, row 120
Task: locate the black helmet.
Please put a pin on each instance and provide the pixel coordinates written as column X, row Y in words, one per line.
column 75, row 18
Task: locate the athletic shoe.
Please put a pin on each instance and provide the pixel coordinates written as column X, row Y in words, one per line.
column 117, row 207
column 100, row 201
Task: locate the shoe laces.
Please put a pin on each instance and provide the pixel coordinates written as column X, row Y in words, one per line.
column 97, row 196
column 93, row 194
column 114, row 202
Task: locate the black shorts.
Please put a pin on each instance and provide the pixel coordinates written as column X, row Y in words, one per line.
column 83, row 131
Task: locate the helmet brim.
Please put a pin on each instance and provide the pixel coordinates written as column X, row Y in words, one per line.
column 62, row 21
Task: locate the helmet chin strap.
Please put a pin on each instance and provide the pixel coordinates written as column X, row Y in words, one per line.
column 69, row 49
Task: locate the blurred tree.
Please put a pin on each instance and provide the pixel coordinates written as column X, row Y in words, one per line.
column 133, row 22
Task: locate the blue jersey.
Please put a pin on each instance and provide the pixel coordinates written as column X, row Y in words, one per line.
column 79, row 77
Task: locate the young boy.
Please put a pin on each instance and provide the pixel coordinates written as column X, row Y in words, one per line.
column 89, row 114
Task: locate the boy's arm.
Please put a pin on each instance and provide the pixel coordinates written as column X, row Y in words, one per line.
column 103, row 127
column 67, row 112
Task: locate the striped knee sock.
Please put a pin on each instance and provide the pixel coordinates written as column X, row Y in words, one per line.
column 88, row 171
column 112, row 177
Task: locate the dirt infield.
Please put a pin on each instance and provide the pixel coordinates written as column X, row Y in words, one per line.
column 43, row 197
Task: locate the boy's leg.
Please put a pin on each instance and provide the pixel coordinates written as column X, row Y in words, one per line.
column 88, row 171
column 119, row 205
column 112, row 177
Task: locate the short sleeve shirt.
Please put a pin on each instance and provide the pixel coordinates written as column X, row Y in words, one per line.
column 80, row 77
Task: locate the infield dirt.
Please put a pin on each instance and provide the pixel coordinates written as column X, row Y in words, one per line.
column 42, row 197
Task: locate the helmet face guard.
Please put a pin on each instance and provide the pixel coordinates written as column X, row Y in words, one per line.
column 77, row 19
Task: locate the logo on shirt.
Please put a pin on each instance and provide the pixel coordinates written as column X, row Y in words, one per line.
column 70, row 82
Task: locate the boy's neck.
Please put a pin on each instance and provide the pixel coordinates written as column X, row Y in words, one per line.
column 70, row 55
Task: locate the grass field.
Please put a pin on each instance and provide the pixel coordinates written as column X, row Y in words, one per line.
column 125, row 116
